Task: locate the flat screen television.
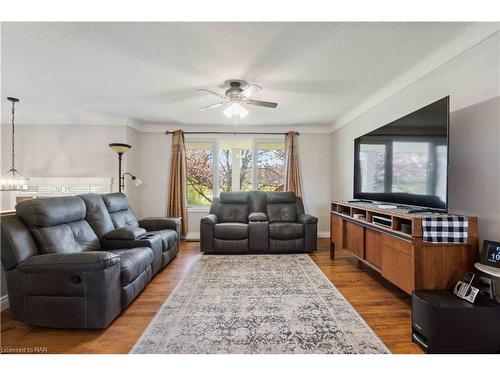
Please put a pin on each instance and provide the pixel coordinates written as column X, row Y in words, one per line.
column 406, row 161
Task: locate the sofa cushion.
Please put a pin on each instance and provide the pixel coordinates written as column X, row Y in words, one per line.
column 48, row 212
column 58, row 224
column 231, row 231
column 280, row 212
column 286, row 231
column 119, row 210
column 234, row 197
column 274, row 197
column 168, row 237
column 233, row 213
column 97, row 214
column 133, row 262
column 66, row 238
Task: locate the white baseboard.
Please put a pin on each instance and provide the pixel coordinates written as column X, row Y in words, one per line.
column 324, row 234
column 195, row 236
column 192, row 236
column 4, row 302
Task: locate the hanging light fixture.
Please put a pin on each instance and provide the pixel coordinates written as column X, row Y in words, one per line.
column 13, row 180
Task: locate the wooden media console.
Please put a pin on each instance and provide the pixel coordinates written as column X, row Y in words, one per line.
column 391, row 242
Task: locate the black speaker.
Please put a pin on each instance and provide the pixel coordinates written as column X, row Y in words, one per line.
column 445, row 323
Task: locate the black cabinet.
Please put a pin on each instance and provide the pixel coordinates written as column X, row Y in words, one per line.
column 444, row 323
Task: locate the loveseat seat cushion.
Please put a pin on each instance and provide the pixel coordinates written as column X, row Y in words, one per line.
column 286, row 231
column 231, row 231
column 168, row 237
column 133, row 262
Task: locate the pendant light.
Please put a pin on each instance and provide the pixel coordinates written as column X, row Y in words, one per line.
column 13, row 180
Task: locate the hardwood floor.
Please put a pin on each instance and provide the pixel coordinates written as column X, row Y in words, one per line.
column 385, row 308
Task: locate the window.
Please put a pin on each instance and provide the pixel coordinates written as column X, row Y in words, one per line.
column 270, row 166
column 233, row 164
column 199, row 161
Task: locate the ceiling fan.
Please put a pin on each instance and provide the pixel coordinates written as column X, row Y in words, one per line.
column 234, row 96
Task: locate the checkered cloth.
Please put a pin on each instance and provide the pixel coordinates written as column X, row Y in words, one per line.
column 445, row 229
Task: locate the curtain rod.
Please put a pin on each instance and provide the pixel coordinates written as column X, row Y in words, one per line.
column 234, row 133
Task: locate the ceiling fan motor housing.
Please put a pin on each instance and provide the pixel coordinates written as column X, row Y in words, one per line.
column 234, row 92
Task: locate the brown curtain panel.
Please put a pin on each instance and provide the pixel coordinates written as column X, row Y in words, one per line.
column 177, row 185
column 292, row 170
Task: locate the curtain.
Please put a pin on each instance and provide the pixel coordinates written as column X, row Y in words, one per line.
column 177, row 185
column 292, row 170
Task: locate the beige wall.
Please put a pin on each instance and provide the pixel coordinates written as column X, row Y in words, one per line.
column 472, row 80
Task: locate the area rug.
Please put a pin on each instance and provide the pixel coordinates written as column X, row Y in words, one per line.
column 257, row 304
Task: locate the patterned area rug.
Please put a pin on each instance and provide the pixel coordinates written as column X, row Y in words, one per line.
column 257, row 304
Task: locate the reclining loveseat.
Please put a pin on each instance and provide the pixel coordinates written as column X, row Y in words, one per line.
column 258, row 222
column 77, row 262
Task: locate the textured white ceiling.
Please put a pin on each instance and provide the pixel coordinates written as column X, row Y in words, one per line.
column 148, row 73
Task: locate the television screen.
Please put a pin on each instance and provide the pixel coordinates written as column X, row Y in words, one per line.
column 406, row 161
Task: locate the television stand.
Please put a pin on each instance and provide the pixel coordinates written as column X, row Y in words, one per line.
column 390, row 241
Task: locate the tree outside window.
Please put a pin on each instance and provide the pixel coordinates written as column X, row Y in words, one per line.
column 233, row 165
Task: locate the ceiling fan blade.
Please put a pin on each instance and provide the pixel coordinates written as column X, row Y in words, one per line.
column 212, row 106
column 262, row 104
column 211, row 93
column 250, row 90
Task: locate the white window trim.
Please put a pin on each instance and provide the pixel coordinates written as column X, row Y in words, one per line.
column 215, row 172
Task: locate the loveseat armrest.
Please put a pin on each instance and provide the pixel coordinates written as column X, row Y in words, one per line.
column 310, row 231
column 210, row 219
column 257, row 217
column 125, row 233
column 207, row 232
column 71, row 262
column 307, row 219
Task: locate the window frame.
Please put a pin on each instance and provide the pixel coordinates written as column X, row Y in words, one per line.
column 215, row 141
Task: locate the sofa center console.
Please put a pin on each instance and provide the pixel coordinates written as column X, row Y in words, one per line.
column 391, row 241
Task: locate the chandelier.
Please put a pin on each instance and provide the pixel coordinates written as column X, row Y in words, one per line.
column 13, row 180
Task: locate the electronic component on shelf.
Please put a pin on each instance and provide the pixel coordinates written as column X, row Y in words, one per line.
column 381, row 220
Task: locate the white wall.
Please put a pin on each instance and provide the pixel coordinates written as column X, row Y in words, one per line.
column 472, row 80
column 314, row 155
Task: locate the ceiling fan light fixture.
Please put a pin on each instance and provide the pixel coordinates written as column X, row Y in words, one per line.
column 235, row 109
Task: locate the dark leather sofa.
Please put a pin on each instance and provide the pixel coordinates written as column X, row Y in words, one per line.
column 77, row 262
column 258, row 222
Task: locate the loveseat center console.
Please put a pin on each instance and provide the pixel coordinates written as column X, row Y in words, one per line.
column 392, row 242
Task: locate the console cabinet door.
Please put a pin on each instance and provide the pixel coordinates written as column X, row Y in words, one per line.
column 373, row 248
column 337, row 232
column 355, row 241
column 397, row 263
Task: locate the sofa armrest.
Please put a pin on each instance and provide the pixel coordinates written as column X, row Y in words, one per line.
column 210, row 219
column 307, row 219
column 125, row 233
column 159, row 223
column 71, row 262
column 257, row 217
